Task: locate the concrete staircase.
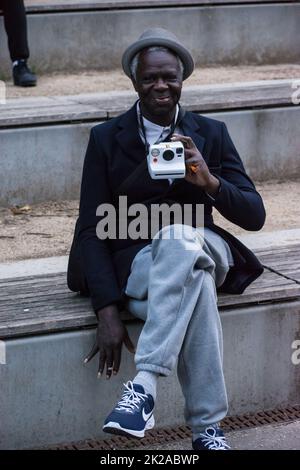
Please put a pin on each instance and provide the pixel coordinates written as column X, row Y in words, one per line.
column 43, row 140
column 77, row 35
column 45, row 330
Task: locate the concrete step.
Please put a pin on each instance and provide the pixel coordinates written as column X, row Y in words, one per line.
column 217, row 33
column 102, row 106
column 283, row 436
column 95, row 81
column 256, row 113
column 52, row 397
column 58, row 264
column 41, row 6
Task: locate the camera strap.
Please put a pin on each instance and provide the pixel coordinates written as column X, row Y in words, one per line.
column 139, row 170
column 165, row 139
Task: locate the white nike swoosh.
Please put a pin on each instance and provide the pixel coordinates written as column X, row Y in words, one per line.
column 146, row 416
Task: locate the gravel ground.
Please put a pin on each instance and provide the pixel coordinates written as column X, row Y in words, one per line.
column 93, row 81
column 46, row 229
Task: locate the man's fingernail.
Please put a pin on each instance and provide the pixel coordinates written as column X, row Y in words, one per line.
column 99, row 375
column 114, row 372
column 85, row 361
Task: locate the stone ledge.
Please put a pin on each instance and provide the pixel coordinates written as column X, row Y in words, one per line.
column 40, row 6
column 21, row 112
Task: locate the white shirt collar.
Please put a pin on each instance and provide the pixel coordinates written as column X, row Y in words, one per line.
column 153, row 131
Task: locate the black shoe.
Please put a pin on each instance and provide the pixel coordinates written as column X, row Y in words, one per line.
column 22, row 75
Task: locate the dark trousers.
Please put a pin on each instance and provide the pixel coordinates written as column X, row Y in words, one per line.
column 16, row 28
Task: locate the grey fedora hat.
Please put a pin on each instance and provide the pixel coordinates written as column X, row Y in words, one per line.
column 158, row 37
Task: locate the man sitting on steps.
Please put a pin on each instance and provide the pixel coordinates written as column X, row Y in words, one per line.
column 168, row 281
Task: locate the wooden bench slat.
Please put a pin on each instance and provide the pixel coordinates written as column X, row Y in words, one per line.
column 43, row 304
column 272, row 294
column 27, row 296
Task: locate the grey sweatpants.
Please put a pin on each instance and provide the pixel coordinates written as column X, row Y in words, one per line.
column 172, row 287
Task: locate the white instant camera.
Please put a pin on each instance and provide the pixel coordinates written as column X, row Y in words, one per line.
column 166, row 160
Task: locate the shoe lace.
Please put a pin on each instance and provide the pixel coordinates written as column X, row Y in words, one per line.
column 131, row 399
column 212, row 441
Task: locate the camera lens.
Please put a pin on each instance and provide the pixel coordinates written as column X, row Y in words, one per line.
column 168, row 155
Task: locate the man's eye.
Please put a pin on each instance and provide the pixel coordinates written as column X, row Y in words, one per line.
column 147, row 79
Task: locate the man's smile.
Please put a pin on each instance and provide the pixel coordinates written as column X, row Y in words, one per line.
column 162, row 99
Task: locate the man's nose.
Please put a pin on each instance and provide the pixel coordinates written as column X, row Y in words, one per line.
column 160, row 84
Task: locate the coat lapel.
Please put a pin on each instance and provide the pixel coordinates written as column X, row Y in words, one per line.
column 191, row 128
column 129, row 138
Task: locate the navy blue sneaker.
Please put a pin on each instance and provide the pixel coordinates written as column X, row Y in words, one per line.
column 133, row 414
column 212, row 438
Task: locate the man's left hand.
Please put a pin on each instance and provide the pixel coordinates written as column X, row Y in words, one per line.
column 197, row 171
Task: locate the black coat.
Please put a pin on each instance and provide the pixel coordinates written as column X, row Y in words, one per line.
column 115, row 149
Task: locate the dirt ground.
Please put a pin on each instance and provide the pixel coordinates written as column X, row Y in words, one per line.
column 46, row 229
column 94, row 81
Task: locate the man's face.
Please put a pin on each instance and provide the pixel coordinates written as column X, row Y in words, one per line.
column 158, row 84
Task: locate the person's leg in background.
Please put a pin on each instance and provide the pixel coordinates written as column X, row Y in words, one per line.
column 178, row 276
column 16, row 29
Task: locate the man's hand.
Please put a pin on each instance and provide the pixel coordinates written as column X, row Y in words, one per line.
column 197, row 171
column 110, row 336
